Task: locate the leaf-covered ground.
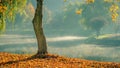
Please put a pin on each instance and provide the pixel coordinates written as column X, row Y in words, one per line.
column 8, row 60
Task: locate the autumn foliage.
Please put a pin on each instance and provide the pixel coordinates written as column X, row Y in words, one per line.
column 8, row 60
column 113, row 8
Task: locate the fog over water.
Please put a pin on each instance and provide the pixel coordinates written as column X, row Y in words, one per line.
column 65, row 45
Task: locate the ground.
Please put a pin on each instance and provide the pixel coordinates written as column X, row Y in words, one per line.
column 8, row 60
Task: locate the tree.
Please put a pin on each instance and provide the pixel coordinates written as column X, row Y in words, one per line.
column 96, row 13
column 8, row 10
column 96, row 24
column 37, row 23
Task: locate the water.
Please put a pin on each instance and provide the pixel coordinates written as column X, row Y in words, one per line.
column 70, row 46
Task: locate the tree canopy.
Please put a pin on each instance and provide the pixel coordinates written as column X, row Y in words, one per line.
column 94, row 14
column 9, row 9
column 88, row 9
column 100, row 6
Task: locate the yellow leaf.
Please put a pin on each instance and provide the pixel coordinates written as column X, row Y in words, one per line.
column 107, row 1
column 114, row 16
column 90, row 1
column 0, row 7
column 79, row 11
column 65, row 0
column 114, row 8
column 4, row 7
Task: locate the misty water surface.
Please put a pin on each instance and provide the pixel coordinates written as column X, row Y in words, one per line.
column 70, row 46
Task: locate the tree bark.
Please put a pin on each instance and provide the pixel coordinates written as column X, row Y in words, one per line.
column 37, row 24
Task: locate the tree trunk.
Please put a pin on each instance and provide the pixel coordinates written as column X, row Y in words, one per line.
column 37, row 24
